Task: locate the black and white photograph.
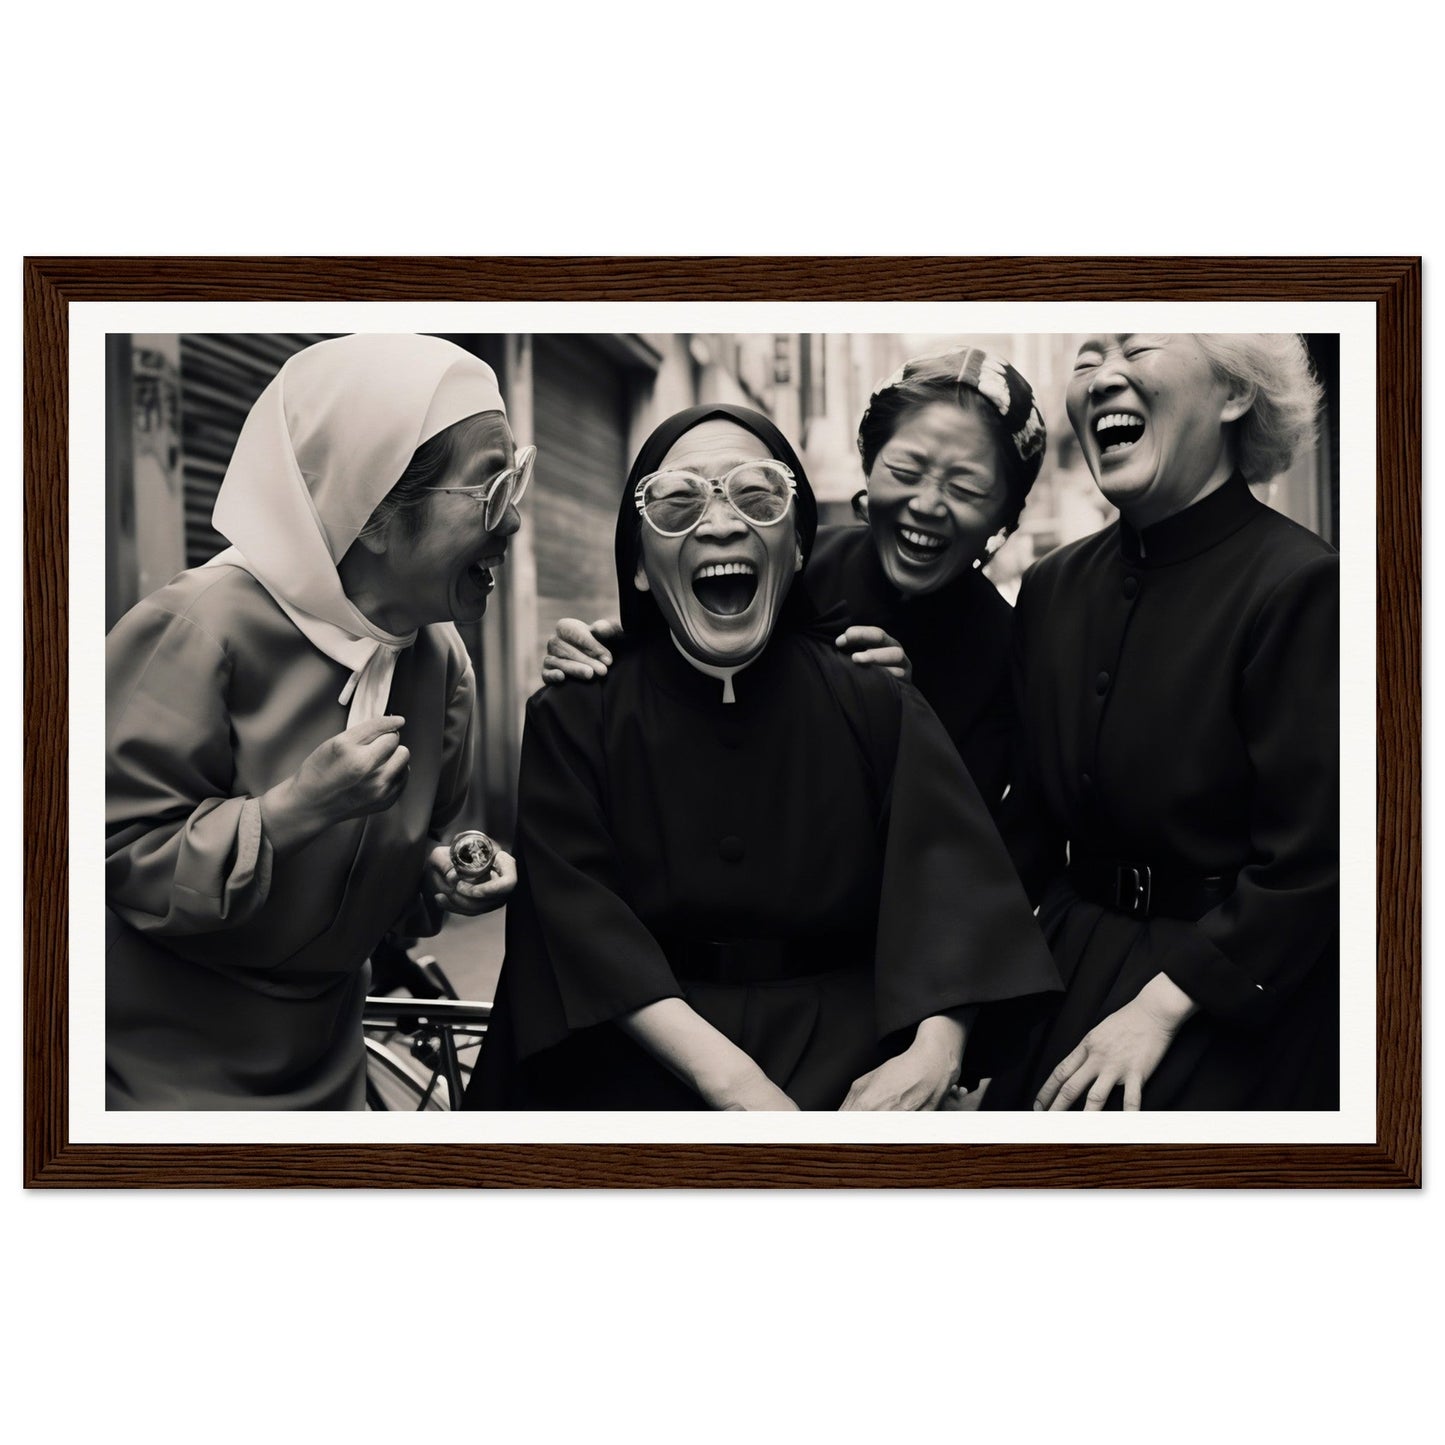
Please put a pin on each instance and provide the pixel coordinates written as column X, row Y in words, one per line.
column 573, row 733
column 719, row 723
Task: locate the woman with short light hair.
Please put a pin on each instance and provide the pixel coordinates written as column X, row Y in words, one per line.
column 1283, row 416
column 1177, row 814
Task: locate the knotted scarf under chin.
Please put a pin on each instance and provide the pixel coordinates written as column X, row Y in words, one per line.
column 367, row 652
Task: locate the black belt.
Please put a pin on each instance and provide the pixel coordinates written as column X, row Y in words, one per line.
column 1143, row 891
column 764, row 960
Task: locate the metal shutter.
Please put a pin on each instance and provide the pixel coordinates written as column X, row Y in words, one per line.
column 222, row 374
column 580, row 401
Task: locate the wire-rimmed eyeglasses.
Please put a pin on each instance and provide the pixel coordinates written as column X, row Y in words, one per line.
column 674, row 502
column 506, row 489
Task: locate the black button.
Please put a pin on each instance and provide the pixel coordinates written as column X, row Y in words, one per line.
column 1087, row 783
column 1131, row 588
column 730, row 737
column 1101, row 683
column 730, row 849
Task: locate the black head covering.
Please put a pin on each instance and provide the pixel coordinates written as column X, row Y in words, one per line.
column 639, row 612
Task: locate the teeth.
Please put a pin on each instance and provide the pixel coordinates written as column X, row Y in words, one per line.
column 727, row 569
column 1117, row 431
column 922, row 539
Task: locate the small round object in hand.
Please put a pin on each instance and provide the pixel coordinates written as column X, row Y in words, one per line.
column 473, row 855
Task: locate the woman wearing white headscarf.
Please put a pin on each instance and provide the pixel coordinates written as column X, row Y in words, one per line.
column 289, row 729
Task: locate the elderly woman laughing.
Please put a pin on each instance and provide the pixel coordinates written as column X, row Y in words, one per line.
column 289, row 729
column 1177, row 816
column 752, row 875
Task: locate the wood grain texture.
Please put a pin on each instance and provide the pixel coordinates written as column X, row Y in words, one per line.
column 46, row 725
column 724, row 1166
column 1392, row 284
column 1398, row 729
column 726, row 278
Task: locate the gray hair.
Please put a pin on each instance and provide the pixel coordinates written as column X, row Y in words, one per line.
column 1283, row 416
column 428, row 468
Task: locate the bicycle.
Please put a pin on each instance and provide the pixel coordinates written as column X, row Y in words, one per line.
column 420, row 1048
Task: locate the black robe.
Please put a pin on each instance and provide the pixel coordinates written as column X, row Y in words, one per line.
column 824, row 813
column 1180, row 693
column 959, row 640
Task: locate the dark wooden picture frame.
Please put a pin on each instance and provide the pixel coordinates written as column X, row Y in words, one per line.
column 1391, row 285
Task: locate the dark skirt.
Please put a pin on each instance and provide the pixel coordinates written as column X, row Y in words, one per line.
column 812, row 1036
column 1105, row 957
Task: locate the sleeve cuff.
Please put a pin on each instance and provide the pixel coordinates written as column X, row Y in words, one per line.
column 1214, row 981
column 223, row 873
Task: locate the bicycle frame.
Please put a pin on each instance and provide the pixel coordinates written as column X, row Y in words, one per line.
column 438, row 1020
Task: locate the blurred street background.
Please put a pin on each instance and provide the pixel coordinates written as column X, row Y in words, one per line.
column 470, row 951
column 175, row 405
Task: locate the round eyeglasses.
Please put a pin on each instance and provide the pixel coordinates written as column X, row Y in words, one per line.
column 506, row 489
column 673, row 503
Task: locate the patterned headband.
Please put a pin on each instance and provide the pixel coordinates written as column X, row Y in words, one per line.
column 1002, row 387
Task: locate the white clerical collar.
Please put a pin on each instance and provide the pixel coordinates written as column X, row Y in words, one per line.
column 725, row 673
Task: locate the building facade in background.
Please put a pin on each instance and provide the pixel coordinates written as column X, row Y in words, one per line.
column 175, row 405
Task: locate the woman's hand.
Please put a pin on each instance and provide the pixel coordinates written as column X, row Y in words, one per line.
column 919, row 1077
column 754, row 1094
column 872, row 647
column 1124, row 1048
column 706, row 1060
column 577, row 651
column 470, row 898
column 360, row 771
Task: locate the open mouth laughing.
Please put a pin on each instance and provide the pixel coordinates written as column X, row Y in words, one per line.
column 479, row 573
column 1117, row 432
column 726, row 589
column 920, row 548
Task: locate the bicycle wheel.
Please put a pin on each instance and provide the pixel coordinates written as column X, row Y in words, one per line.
column 395, row 1085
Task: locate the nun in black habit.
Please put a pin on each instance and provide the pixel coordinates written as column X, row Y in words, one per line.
column 951, row 445
column 752, row 875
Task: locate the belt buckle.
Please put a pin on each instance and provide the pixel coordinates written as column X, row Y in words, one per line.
column 1133, row 889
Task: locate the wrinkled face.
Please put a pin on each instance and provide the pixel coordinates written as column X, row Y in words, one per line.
column 721, row 586
column 438, row 562
column 1151, row 417
column 936, row 494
